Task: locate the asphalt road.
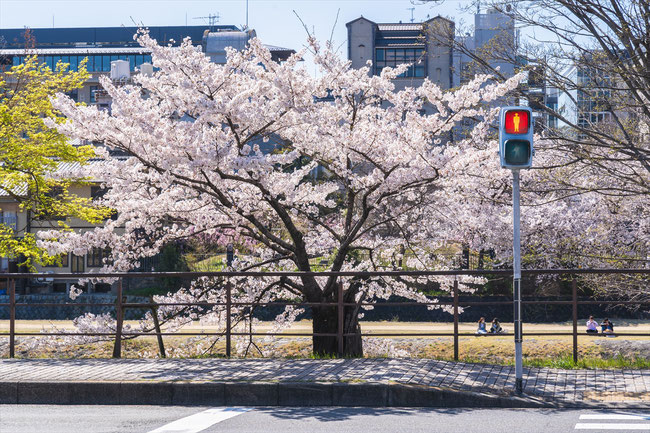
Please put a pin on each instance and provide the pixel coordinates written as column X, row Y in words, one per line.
column 168, row 419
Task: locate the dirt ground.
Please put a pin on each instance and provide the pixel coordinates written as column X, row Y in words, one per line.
column 492, row 349
column 622, row 326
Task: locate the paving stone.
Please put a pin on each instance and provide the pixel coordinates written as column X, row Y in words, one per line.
column 44, row 375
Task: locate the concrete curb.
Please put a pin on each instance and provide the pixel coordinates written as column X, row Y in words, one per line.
column 277, row 394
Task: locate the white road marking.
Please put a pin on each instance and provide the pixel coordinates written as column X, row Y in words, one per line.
column 200, row 421
column 612, row 426
column 615, row 416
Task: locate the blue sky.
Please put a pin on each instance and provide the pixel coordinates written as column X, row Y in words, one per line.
column 274, row 20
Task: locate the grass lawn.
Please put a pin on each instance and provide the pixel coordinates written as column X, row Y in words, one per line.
column 548, row 351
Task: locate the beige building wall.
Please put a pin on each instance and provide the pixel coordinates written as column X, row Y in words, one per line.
column 361, row 42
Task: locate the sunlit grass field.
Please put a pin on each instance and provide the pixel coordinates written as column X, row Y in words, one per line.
column 540, row 351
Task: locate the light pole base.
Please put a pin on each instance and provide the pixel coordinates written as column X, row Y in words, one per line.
column 519, row 386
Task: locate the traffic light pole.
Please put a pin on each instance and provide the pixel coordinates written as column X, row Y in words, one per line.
column 516, row 246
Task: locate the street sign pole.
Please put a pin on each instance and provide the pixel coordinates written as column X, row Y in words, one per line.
column 516, row 246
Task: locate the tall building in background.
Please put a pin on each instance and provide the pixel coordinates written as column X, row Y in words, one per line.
column 427, row 46
column 494, row 40
column 494, row 35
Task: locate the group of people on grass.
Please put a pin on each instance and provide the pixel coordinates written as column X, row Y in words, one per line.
column 606, row 327
column 494, row 329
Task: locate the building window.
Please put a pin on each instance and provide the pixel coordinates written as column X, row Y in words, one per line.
column 9, row 219
column 73, row 63
column 96, row 257
column 392, row 57
column 106, row 63
column 74, row 95
column 96, row 191
column 77, row 264
column 64, row 262
column 93, row 96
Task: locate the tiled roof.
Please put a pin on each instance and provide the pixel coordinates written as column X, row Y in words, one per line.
column 276, row 48
column 62, row 167
column 400, row 44
column 97, row 50
column 399, row 27
column 19, row 191
column 76, row 50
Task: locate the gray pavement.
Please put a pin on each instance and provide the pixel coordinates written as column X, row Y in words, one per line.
column 564, row 387
column 167, row 419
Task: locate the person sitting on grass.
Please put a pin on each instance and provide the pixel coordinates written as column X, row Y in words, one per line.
column 481, row 327
column 592, row 326
column 607, row 328
column 496, row 327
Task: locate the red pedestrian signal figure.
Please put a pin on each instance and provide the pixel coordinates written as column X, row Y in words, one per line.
column 517, row 122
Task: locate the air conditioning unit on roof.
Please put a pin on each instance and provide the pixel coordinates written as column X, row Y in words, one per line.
column 120, row 70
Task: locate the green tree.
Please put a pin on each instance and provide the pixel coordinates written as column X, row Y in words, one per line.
column 30, row 153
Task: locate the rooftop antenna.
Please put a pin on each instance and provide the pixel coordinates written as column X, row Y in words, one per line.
column 411, row 9
column 246, row 13
column 212, row 19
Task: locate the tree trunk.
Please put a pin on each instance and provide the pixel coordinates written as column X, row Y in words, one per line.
column 325, row 320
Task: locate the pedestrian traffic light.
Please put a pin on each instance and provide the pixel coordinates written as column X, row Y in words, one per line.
column 516, row 137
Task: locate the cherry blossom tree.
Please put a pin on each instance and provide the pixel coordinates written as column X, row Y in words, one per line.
column 355, row 170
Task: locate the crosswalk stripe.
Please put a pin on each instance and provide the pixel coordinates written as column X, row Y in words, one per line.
column 200, row 421
column 615, row 416
column 612, row 426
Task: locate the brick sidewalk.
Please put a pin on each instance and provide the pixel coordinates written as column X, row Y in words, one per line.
column 550, row 384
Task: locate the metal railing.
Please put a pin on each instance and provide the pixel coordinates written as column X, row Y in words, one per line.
column 120, row 305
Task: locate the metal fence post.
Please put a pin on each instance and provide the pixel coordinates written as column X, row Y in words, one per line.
column 455, row 320
column 117, row 348
column 339, row 328
column 228, row 319
column 574, row 291
column 156, row 324
column 11, row 287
